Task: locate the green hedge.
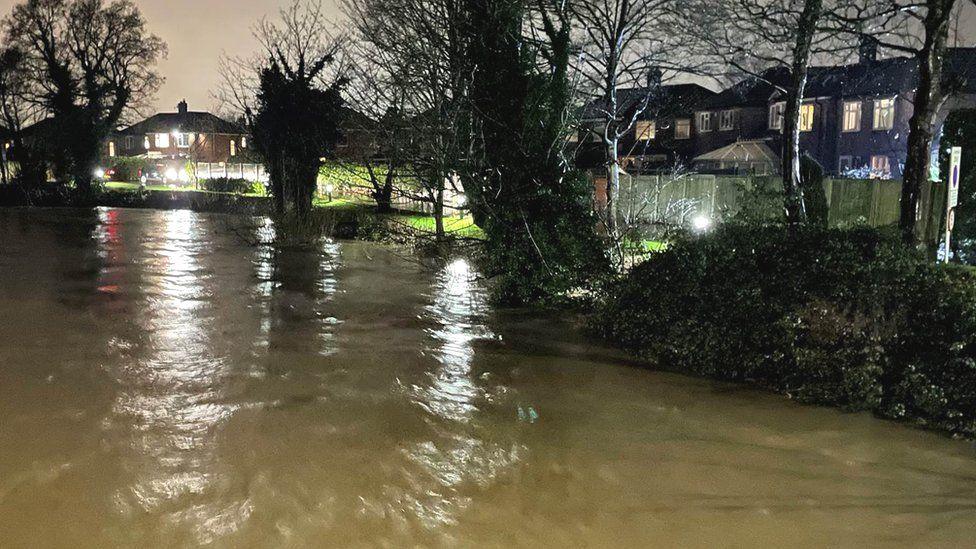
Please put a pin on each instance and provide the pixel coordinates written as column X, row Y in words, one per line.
column 840, row 317
column 232, row 185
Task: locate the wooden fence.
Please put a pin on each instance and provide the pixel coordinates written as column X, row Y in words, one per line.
column 666, row 200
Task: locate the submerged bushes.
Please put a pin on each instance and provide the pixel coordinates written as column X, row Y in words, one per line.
column 842, row 317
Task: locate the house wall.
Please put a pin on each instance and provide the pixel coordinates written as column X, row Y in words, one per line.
column 205, row 147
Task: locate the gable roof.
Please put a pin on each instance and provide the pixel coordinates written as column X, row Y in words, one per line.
column 662, row 102
column 185, row 122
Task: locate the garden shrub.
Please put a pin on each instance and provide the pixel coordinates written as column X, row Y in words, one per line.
column 842, row 317
column 231, row 185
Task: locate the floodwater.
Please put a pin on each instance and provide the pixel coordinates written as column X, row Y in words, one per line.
column 168, row 381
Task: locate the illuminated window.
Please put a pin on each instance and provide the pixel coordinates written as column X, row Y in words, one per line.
column 880, row 167
column 243, row 141
column 111, row 148
column 233, row 147
column 646, row 130
column 573, row 136
column 704, row 122
column 806, row 117
column 727, row 120
column 145, row 143
column 852, row 116
column 884, row 114
column 682, row 128
column 776, row 116
column 182, row 140
column 162, row 140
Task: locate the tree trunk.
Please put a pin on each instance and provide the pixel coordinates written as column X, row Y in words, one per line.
column 792, row 184
column 439, row 231
column 927, row 102
column 613, row 185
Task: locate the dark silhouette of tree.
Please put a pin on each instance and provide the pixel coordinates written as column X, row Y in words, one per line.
column 93, row 63
column 536, row 214
column 291, row 99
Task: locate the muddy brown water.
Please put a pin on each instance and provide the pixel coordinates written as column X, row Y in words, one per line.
column 164, row 382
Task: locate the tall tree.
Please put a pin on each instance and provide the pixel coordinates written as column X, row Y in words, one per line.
column 291, row 99
column 626, row 44
column 934, row 18
column 409, row 60
column 94, row 62
column 535, row 212
column 775, row 41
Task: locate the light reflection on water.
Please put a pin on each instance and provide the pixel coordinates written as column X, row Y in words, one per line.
column 165, row 380
column 173, row 397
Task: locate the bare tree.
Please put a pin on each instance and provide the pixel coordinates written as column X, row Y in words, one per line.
column 93, row 63
column 625, row 44
column 409, row 64
column 776, row 41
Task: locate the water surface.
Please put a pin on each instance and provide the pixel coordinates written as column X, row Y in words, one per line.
column 166, row 380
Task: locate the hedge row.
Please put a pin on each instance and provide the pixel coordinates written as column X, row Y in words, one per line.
column 841, row 317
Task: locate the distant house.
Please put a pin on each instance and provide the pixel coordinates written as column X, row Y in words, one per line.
column 214, row 146
column 854, row 118
column 661, row 135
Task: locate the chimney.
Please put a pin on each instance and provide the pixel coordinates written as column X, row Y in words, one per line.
column 654, row 77
column 867, row 50
column 182, row 107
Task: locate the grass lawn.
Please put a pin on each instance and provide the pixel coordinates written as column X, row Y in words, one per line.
column 458, row 226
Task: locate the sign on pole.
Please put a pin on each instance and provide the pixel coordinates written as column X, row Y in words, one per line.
column 952, row 197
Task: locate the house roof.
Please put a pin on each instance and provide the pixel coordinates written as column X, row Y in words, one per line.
column 662, row 102
column 890, row 76
column 741, row 151
column 183, row 122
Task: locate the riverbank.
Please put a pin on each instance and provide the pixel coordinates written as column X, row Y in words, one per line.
column 843, row 318
column 347, row 218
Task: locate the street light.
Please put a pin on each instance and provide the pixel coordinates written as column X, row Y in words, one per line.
column 701, row 223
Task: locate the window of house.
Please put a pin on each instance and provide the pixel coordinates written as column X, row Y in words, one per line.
column 884, row 114
column 727, row 120
column 182, row 140
column 244, row 141
column 162, row 140
column 130, row 143
column 646, row 130
column 704, row 122
column 233, row 147
column 682, row 128
column 852, row 116
column 111, row 148
column 573, row 136
column 145, row 143
column 880, row 167
column 776, row 116
column 806, row 117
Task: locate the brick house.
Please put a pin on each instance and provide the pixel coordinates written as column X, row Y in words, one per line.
column 213, row 146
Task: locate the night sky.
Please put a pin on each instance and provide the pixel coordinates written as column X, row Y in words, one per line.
column 198, row 31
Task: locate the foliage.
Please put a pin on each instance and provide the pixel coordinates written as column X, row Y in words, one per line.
column 960, row 131
column 129, row 168
column 232, row 185
column 92, row 62
column 539, row 225
column 842, row 317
